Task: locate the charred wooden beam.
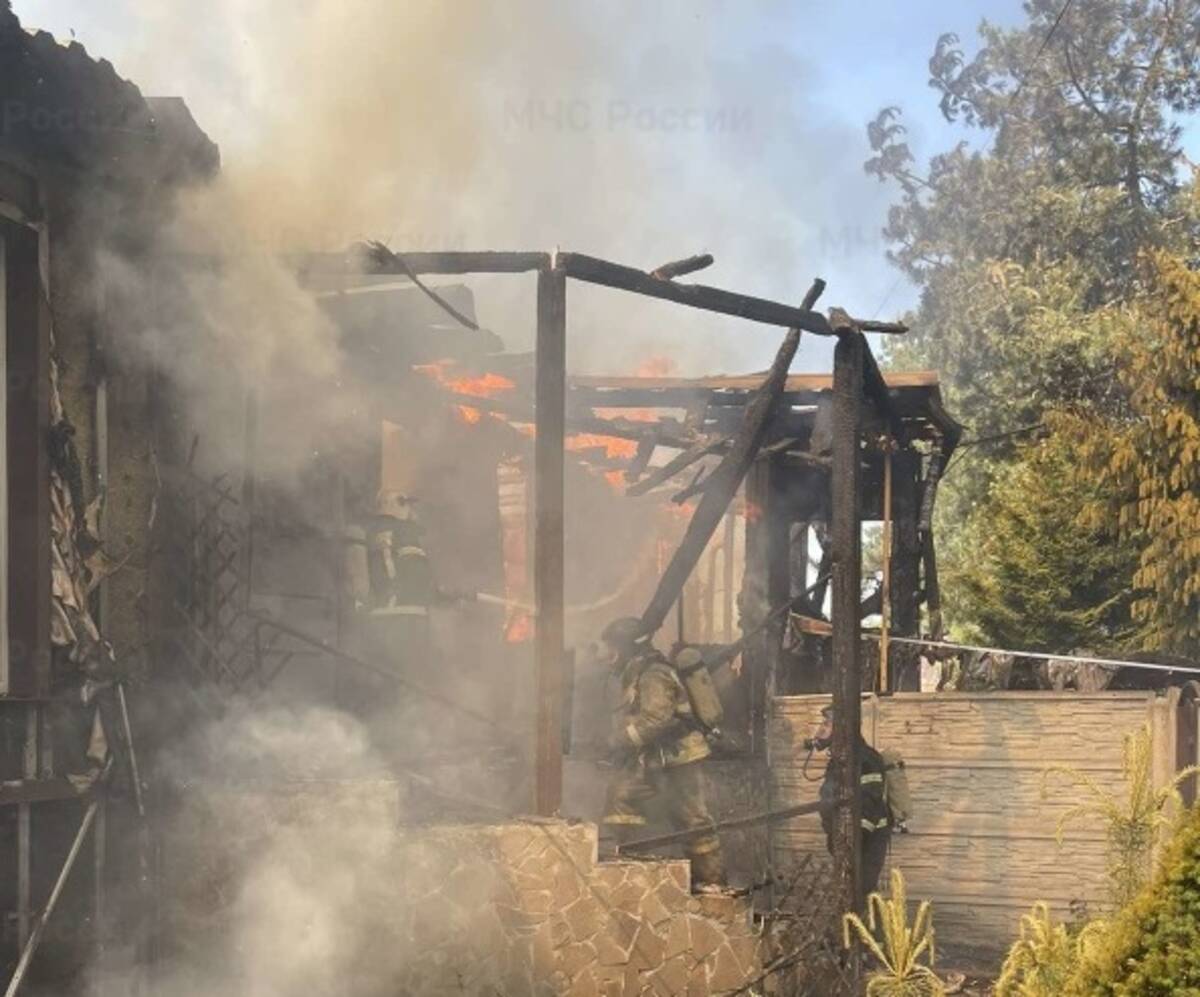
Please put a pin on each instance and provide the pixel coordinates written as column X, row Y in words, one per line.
column 665, row 432
column 548, row 548
column 597, row 271
column 904, row 664
column 641, row 460
column 682, row 461
column 726, row 479
column 423, row 263
column 846, row 544
column 873, row 382
column 681, row 268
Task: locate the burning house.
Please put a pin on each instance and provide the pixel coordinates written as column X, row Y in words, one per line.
column 303, row 571
column 411, row 573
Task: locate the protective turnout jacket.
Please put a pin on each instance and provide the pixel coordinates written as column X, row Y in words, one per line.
column 874, row 802
column 656, row 720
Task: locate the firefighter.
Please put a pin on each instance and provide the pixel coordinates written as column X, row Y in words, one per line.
column 875, row 820
column 657, row 746
column 398, row 571
column 395, row 589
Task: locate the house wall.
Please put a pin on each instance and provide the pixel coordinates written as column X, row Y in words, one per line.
column 982, row 844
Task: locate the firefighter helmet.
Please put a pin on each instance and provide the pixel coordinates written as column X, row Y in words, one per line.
column 624, row 633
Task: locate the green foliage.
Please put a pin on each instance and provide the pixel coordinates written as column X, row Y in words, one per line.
column 1148, row 458
column 1031, row 573
column 1152, row 946
column 1133, row 819
column 1026, row 248
column 1041, row 960
column 897, row 947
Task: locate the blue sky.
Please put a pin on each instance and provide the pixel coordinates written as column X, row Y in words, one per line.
column 580, row 137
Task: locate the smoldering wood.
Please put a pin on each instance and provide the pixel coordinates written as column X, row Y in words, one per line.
column 885, row 589
column 905, row 572
column 698, row 483
column 769, row 551
column 27, row 354
column 729, row 541
column 597, row 271
column 665, row 432
column 727, row 478
column 448, row 263
column 873, row 383
column 681, row 268
column 378, row 251
column 846, row 547
column 641, row 459
column 933, row 591
column 678, row 463
column 933, row 475
column 894, row 328
column 550, row 396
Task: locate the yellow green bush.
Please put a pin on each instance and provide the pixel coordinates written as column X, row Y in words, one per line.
column 897, row 948
column 1133, row 820
column 1151, row 947
column 1041, row 960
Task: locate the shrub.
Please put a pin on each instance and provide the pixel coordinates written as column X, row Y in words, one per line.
column 1041, row 960
column 898, row 948
column 1132, row 822
column 1152, row 946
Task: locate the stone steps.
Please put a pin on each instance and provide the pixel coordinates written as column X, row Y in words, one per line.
column 343, row 897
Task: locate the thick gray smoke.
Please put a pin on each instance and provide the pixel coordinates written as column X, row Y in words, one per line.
column 610, row 129
column 638, row 132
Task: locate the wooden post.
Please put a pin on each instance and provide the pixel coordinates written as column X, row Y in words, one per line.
column 846, row 545
column 727, row 562
column 754, row 598
column 904, row 618
column 886, row 591
column 29, row 770
column 99, row 884
column 27, row 330
column 550, row 401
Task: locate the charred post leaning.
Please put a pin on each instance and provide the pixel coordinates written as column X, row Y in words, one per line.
column 846, row 546
column 728, row 476
column 550, row 408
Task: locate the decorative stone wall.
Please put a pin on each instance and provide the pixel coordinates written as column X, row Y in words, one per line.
column 510, row 909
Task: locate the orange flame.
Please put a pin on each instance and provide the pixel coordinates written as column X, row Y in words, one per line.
column 613, row 446
column 655, row 367
column 616, row 479
column 519, row 628
column 487, row 385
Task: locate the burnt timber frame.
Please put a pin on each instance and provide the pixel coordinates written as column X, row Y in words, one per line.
column 856, row 375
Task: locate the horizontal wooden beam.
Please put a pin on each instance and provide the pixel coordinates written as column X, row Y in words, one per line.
column 452, row 262
column 666, row 433
column 873, row 384
column 741, row 382
column 712, row 299
column 38, row 791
